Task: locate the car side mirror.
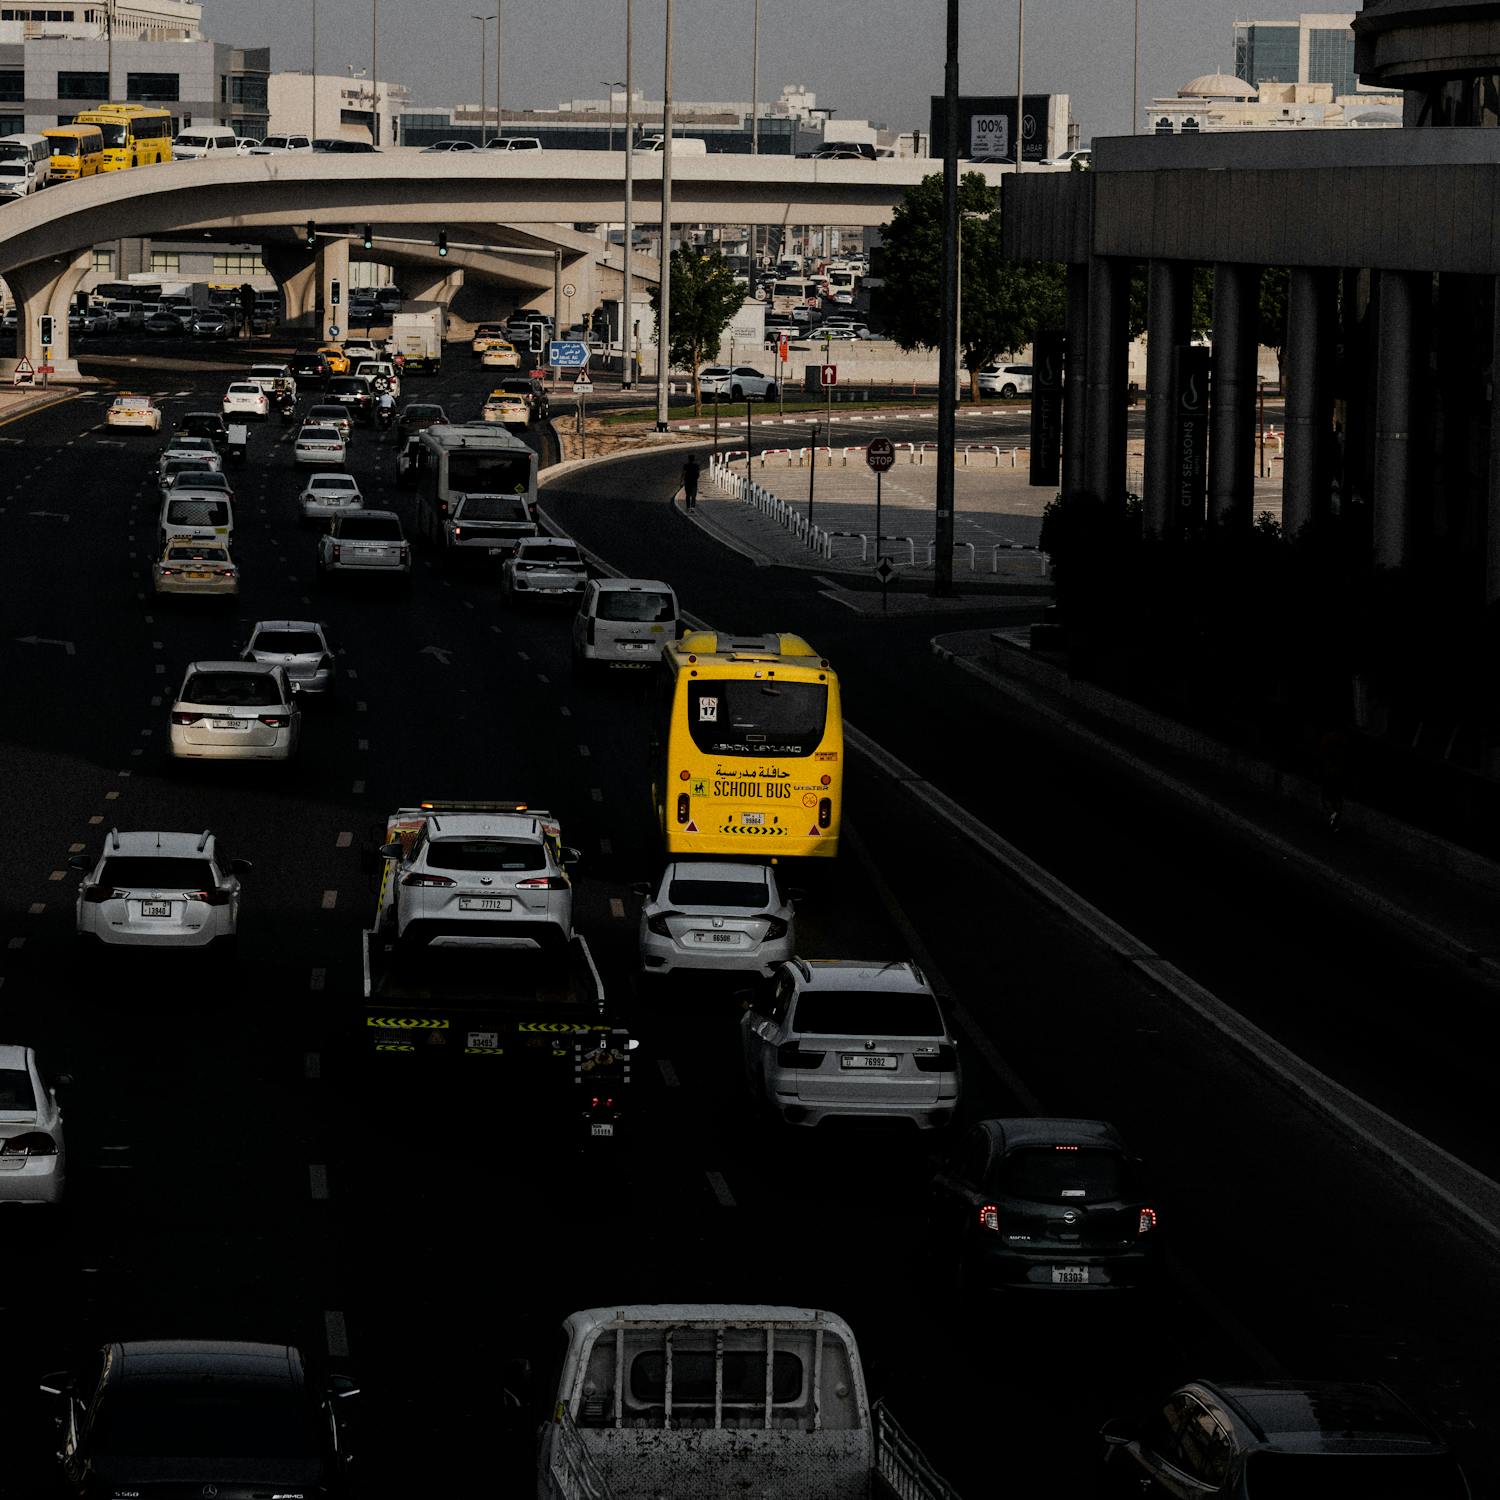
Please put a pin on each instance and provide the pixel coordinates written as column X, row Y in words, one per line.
column 1117, row 1432
column 59, row 1383
column 240, row 867
column 80, row 863
column 393, row 850
column 642, row 889
column 570, row 856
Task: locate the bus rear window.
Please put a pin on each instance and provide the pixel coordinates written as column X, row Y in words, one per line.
column 757, row 716
column 489, row 473
column 492, row 508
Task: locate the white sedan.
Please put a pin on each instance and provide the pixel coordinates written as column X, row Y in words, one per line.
column 326, row 495
column 246, row 399
column 736, row 381
column 317, row 444
column 715, row 915
column 33, row 1157
column 133, row 411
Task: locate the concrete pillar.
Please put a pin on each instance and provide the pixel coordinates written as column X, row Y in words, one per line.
column 295, row 268
column 427, row 284
column 333, row 265
column 1395, row 360
column 1104, row 438
column 1492, row 507
column 1168, row 314
column 1309, row 411
column 45, row 286
column 1231, row 441
column 1075, row 380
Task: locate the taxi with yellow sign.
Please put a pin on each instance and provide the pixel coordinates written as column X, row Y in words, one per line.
column 500, row 354
column 509, row 407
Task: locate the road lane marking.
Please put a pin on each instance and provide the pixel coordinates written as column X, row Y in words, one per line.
column 616, row 905
column 566, row 712
column 542, row 678
column 111, row 796
column 76, row 848
column 597, row 793
column 312, row 1066
column 330, row 900
column 36, row 908
column 317, row 979
column 336, row 1335
column 606, row 846
column 96, row 819
column 668, row 1073
column 362, row 744
column 361, row 707
column 358, row 788
column 317, row 1180
column 721, row 1189
column 343, row 840
column 584, row 751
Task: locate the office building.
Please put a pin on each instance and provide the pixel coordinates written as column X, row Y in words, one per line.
column 338, row 105
column 1315, row 48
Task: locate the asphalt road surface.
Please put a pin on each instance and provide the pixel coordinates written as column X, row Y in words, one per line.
column 242, row 1163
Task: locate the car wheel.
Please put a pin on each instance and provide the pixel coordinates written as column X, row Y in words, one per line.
column 738, row 393
column 771, row 391
column 1008, row 392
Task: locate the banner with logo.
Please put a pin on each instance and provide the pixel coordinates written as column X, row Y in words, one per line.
column 1190, row 377
column 1047, row 407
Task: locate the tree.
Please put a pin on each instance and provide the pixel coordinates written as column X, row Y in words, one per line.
column 1275, row 294
column 1004, row 303
column 705, row 298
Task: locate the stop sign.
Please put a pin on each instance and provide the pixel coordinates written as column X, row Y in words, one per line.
column 880, row 455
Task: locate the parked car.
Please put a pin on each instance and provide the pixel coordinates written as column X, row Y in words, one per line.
column 1005, row 381
column 736, row 381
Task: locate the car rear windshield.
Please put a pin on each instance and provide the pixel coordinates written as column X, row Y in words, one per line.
column 219, row 1420
column 745, row 716
column 492, row 508
column 868, row 1013
column 197, row 554
column 244, row 390
column 422, row 414
column 321, row 434
column 370, row 529
column 233, row 689
column 289, row 642
column 16, row 1091
column 752, row 897
column 636, row 606
column 328, row 414
column 344, row 483
column 550, row 557
column 198, row 512
column 156, row 872
column 1063, row 1174
column 1371, row 1476
column 200, row 479
column 485, row 854
column 693, row 1377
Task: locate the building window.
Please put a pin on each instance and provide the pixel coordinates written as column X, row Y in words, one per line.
column 166, row 260
column 234, row 264
column 104, row 262
column 236, row 88
column 12, row 85
column 83, row 85
column 1164, row 125
column 1330, row 59
column 158, row 88
column 1267, row 52
column 1190, row 126
column 12, row 124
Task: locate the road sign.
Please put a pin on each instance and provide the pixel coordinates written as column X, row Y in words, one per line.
column 333, row 330
column 568, row 354
column 569, row 290
column 782, row 350
column 583, row 386
column 884, row 571
column 24, row 374
column 881, row 455
column 46, row 369
column 828, row 375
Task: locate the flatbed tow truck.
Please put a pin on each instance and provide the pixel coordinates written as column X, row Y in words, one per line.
column 535, row 1018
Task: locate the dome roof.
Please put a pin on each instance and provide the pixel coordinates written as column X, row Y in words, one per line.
column 1217, row 86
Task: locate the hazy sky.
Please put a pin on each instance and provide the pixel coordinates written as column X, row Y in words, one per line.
column 868, row 59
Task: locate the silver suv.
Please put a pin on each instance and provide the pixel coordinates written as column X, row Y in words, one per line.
column 543, row 567
column 365, row 541
column 836, row 1037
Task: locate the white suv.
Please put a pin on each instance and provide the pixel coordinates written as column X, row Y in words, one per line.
column 852, row 1040
column 1005, row 381
column 482, row 880
column 543, row 567
column 736, row 381
column 159, row 890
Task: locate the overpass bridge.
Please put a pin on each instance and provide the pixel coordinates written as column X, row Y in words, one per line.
column 512, row 204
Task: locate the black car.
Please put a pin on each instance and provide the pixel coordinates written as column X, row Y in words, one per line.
column 347, row 148
column 533, row 390
column 181, row 1417
column 209, row 424
column 163, row 321
column 418, row 415
column 1050, row 1204
column 310, row 367
column 353, row 391
column 1279, row 1438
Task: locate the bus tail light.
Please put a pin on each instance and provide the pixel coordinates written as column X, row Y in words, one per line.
column 825, row 812
column 682, row 807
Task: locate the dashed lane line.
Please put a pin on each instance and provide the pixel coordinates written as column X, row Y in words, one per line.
column 317, row 1181
column 616, row 907
column 344, row 840
column 668, row 1073
column 312, row 1066
column 330, row 900
column 335, row 1334
column 317, row 979
column 721, row 1189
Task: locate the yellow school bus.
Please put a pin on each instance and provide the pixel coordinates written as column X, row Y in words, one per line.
column 77, row 151
column 135, row 135
column 748, row 748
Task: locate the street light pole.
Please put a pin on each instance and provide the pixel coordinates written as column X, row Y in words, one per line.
column 499, row 10
column 483, row 91
column 664, row 316
column 1135, row 77
column 315, row 69
column 942, row 580
column 1021, row 88
column 627, row 267
column 755, row 87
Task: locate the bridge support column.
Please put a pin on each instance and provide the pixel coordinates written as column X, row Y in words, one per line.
column 45, row 286
column 425, row 284
column 333, row 265
column 1075, row 379
column 296, row 271
column 1393, row 416
column 1169, row 324
column 1306, row 477
column 1109, row 303
column 1231, row 443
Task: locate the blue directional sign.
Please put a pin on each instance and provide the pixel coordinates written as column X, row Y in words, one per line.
column 567, row 354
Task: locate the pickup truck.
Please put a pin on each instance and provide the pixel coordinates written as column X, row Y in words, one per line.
column 681, row 1401
column 536, row 1011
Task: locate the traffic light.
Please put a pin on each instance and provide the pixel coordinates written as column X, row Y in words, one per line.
column 442, row 242
column 335, row 292
column 312, row 235
column 538, row 338
column 46, row 330
column 369, row 237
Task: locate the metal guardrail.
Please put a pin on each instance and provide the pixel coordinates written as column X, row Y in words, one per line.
column 902, row 1465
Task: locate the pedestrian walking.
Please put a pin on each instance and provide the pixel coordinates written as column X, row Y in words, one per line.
column 1333, row 770
column 690, row 472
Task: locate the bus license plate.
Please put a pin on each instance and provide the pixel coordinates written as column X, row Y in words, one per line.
column 866, row 1060
column 753, row 818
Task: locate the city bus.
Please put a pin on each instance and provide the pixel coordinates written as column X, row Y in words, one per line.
column 77, row 151
column 474, row 467
column 135, row 135
column 791, row 292
column 747, row 748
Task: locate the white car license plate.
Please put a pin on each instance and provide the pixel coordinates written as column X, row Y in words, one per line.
column 635, row 645
column 1070, row 1275
column 237, row 725
column 709, row 939
column 753, row 819
column 601, row 1129
column 866, row 1060
column 156, row 908
column 497, row 551
column 484, row 903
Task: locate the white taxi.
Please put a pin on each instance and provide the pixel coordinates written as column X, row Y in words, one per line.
column 133, row 411
column 195, row 567
column 501, row 355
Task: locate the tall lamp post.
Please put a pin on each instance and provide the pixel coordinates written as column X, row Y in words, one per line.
column 617, row 84
column 627, row 267
column 315, row 69
column 942, row 579
column 1135, row 77
column 664, row 316
column 755, row 118
column 374, row 63
column 499, row 10
column 483, row 94
column 1021, row 88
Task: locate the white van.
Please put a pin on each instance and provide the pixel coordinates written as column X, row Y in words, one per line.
column 201, row 514
column 25, row 164
column 204, row 140
column 623, row 622
column 682, row 145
